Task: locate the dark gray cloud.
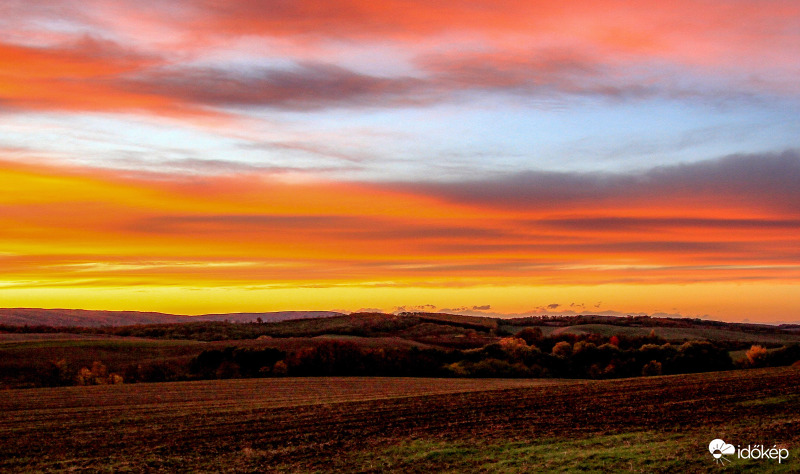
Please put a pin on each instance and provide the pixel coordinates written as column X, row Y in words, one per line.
column 756, row 180
column 306, row 86
column 317, row 85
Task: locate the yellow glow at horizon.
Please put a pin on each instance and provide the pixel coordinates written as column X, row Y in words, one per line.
column 756, row 302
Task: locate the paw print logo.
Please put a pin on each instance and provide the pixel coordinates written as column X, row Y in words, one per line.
column 719, row 449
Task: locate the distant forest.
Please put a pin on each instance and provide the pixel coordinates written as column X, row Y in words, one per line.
column 414, row 345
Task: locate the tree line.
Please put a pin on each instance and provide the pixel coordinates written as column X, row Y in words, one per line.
column 526, row 354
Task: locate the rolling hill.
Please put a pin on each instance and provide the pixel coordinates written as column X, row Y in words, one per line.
column 91, row 318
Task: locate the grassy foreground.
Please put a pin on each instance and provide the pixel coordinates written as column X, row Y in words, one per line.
column 653, row 424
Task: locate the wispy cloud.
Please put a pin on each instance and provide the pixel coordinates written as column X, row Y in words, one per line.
column 725, row 220
column 602, row 51
column 749, row 181
column 306, row 86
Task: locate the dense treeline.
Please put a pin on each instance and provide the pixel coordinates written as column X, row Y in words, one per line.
column 645, row 321
column 331, row 357
column 97, row 364
column 529, row 355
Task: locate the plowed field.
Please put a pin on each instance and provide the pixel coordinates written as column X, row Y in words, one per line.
column 403, row 424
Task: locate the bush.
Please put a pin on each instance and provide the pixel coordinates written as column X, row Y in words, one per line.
column 757, row 356
column 97, row 375
column 280, row 368
column 562, row 349
column 515, row 349
column 652, row 368
column 530, row 335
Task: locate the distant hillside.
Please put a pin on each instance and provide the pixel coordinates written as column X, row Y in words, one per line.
column 272, row 317
column 439, row 329
column 90, row 318
column 645, row 322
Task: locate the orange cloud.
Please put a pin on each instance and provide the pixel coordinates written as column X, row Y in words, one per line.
column 690, row 31
column 524, row 47
column 62, row 225
column 87, row 75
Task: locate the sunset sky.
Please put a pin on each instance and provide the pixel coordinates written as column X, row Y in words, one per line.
column 487, row 157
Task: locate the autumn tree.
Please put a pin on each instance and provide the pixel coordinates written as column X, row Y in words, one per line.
column 530, row 335
column 757, row 356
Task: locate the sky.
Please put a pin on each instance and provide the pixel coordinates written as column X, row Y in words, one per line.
column 486, row 157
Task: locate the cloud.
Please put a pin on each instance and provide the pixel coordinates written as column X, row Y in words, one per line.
column 376, row 230
column 354, row 19
column 432, row 234
column 443, row 78
column 78, row 75
column 609, row 49
column 617, row 224
column 101, row 75
column 423, row 308
column 624, row 25
column 766, row 181
column 538, row 74
column 185, row 60
column 189, row 224
column 475, row 310
column 303, row 87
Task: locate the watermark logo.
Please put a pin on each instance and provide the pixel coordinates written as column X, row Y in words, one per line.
column 719, row 449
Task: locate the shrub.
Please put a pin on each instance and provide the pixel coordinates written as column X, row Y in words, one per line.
column 515, row 349
column 97, row 375
column 280, row 368
column 757, row 356
column 530, row 335
column 459, row 369
column 562, row 349
column 652, row 368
